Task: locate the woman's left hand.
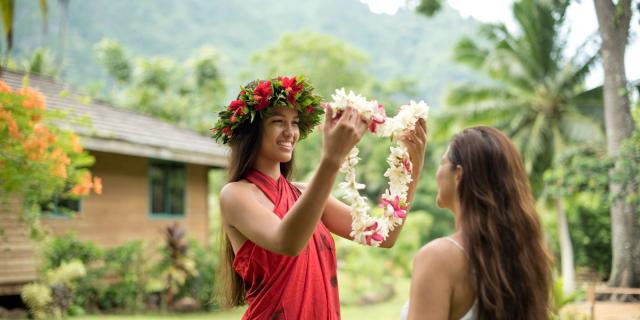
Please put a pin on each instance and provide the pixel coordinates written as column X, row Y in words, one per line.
column 416, row 142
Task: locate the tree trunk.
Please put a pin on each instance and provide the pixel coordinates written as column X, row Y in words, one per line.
column 63, row 6
column 613, row 21
column 566, row 250
column 8, row 12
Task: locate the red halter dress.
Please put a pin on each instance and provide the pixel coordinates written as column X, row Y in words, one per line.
column 282, row 287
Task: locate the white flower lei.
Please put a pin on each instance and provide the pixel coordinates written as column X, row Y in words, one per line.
column 365, row 228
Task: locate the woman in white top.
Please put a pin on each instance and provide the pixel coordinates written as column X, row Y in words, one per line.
column 495, row 266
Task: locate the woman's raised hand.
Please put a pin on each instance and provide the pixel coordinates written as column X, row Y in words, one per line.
column 416, row 142
column 342, row 134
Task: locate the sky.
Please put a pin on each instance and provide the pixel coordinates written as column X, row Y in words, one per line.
column 581, row 17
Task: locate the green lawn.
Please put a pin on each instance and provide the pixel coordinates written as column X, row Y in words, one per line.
column 383, row 311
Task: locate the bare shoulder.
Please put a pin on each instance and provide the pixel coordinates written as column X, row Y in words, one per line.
column 436, row 256
column 232, row 192
column 431, row 277
column 231, row 189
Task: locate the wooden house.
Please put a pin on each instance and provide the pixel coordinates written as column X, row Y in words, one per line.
column 153, row 174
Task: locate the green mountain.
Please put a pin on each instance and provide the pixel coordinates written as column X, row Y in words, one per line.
column 403, row 45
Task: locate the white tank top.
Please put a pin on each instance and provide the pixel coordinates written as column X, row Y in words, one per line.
column 470, row 315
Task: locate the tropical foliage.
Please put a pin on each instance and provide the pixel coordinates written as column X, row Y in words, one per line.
column 39, row 161
column 537, row 94
column 181, row 93
column 525, row 83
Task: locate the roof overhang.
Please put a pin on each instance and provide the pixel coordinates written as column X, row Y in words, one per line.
column 141, row 150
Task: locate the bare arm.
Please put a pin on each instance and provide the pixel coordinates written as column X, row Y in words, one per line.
column 242, row 211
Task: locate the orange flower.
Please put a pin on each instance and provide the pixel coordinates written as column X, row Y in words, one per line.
column 75, row 144
column 84, row 186
column 76, row 190
column 59, row 170
column 39, row 142
column 33, row 98
column 43, row 132
column 97, row 185
column 61, row 162
column 58, row 155
column 14, row 132
column 4, row 87
column 35, row 148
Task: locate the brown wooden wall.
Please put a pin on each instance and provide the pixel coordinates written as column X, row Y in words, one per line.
column 118, row 215
column 121, row 212
column 18, row 263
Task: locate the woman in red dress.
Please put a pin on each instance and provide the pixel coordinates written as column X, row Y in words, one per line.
column 279, row 255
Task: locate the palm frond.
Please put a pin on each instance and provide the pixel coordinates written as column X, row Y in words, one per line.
column 518, row 123
column 467, row 93
column 577, row 69
column 490, row 113
column 505, row 65
column 468, row 52
column 540, row 23
column 495, row 32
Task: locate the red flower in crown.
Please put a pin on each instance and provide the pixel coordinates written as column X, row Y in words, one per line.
column 237, row 106
column 261, row 95
column 258, row 96
column 292, row 88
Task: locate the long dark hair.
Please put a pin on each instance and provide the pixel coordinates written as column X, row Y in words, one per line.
column 244, row 151
column 500, row 227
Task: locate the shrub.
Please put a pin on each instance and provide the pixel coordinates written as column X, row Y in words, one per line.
column 39, row 161
column 53, row 298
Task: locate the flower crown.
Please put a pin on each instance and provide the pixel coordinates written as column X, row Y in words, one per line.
column 261, row 96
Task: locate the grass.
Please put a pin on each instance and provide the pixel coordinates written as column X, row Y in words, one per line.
column 387, row 310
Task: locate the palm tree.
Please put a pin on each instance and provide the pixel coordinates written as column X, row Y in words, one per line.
column 63, row 5
column 535, row 94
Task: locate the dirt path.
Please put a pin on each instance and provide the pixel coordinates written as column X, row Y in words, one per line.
column 603, row 311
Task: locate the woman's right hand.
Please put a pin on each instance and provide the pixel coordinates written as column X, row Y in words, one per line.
column 340, row 136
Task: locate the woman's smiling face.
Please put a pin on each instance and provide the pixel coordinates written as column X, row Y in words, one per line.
column 280, row 134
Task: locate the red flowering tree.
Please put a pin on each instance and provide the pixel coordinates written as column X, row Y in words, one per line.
column 38, row 160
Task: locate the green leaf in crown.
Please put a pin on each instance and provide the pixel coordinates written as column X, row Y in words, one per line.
column 260, row 97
